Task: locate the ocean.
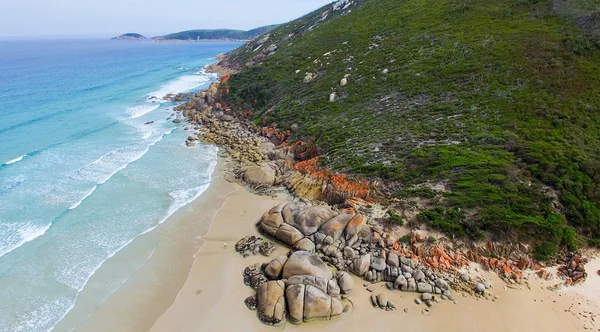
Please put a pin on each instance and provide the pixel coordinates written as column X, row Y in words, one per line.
column 82, row 174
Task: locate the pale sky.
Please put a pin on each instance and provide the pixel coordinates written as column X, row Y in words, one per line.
column 49, row 18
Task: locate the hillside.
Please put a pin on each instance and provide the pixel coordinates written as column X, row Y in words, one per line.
column 485, row 110
column 130, row 36
column 217, row 34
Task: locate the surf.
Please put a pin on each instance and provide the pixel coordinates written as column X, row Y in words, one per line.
column 16, row 160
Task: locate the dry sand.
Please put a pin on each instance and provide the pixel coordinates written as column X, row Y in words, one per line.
column 212, row 297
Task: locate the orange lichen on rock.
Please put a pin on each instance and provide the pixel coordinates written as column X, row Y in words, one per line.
column 272, row 132
column 225, row 78
column 574, row 270
column 356, row 221
column 337, row 184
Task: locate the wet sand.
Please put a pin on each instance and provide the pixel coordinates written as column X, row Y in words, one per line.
column 158, row 263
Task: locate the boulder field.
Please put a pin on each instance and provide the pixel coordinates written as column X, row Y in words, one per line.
column 345, row 241
column 302, row 285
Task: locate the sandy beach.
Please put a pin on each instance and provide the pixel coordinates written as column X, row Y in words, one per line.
column 159, row 261
column 212, row 297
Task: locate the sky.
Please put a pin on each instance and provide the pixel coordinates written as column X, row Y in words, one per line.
column 55, row 18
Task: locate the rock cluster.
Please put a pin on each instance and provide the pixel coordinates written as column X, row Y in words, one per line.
column 253, row 276
column 302, row 289
column 252, row 245
column 574, row 270
column 219, row 125
column 381, row 301
column 344, row 240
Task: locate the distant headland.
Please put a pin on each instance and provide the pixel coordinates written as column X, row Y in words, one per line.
column 130, row 36
column 204, row 34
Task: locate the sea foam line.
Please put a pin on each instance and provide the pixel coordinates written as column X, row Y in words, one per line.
column 16, row 160
column 136, row 158
column 141, row 110
column 90, row 192
column 181, row 84
column 26, row 234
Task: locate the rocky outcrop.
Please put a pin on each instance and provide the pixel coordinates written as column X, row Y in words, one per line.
column 574, row 270
column 311, row 228
column 302, row 289
column 344, row 240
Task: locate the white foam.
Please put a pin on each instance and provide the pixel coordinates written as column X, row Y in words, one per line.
column 180, row 84
column 180, row 199
column 15, row 235
column 87, row 194
column 184, row 197
column 15, row 160
column 42, row 317
column 9, row 183
column 104, row 168
column 140, row 110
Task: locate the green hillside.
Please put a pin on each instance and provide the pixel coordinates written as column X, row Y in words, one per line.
column 497, row 98
column 211, row 34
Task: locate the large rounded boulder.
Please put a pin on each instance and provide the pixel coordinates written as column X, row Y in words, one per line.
column 288, row 234
column 312, row 298
column 271, row 220
column 274, row 268
column 261, row 176
column 335, row 226
column 310, row 219
column 271, row 302
column 306, row 263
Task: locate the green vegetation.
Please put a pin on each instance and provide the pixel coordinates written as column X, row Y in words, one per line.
column 395, row 218
column 211, row 34
column 496, row 97
column 405, row 239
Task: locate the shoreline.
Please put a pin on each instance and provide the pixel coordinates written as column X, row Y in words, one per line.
column 156, row 264
column 212, row 287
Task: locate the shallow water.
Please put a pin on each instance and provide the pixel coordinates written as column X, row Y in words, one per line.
column 81, row 174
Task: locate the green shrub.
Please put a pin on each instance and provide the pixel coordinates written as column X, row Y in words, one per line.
column 395, row 218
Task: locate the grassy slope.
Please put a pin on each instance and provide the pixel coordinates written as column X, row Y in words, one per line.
column 218, row 34
column 498, row 97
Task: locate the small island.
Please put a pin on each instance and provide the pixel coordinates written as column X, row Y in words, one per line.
column 130, row 36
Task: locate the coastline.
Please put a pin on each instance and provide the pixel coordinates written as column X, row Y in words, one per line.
column 198, row 285
column 214, row 288
column 164, row 257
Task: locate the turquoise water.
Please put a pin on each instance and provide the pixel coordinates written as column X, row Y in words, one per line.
column 81, row 174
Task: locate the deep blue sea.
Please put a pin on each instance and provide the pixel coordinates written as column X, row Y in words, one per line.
column 81, row 174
